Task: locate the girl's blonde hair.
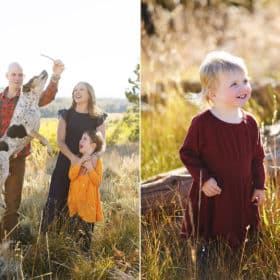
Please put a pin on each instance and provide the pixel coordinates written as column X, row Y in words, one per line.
column 213, row 65
column 93, row 109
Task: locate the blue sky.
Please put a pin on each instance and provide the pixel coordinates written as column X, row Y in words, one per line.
column 98, row 41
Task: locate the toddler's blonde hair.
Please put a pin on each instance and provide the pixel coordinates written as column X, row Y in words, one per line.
column 213, row 65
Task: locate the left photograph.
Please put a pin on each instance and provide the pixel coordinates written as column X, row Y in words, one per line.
column 69, row 141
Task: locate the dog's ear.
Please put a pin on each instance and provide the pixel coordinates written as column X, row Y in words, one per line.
column 4, row 146
column 26, row 87
column 17, row 131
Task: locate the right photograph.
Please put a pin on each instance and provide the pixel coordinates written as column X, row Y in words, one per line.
column 210, row 136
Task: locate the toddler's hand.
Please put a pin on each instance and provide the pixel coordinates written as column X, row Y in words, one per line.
column 257, row 197
column 210, row 188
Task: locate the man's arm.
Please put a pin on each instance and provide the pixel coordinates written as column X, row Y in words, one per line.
column 49, row 93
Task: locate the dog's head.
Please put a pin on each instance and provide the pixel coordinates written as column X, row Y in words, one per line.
column 35, row 85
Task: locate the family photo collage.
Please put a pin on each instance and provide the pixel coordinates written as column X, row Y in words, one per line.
column 140, row 140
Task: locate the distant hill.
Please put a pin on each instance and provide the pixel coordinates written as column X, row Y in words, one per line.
column 109, row 105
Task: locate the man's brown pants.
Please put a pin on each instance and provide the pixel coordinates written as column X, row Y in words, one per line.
column 13, row 191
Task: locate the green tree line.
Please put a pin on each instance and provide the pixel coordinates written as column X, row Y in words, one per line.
column 127, row 129
column 110, row 105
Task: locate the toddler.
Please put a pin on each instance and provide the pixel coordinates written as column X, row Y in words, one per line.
column 224, row 154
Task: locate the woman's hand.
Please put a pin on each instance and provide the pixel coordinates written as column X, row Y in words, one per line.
column 88, row 165
column 94, row 159
column 90, row 162
column 75, row 160
column 257, row 197
column 211, row 188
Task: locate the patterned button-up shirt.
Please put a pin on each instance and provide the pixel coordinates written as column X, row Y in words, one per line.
column 7, row 106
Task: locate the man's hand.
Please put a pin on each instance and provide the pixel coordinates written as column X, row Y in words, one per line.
column 58, row 67
column 211, row 188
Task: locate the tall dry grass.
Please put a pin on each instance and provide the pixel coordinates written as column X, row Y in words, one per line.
column 162, row 134
column 166, row 256
column 115, row 247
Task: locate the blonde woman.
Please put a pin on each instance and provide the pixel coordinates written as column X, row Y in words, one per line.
column 83, row 115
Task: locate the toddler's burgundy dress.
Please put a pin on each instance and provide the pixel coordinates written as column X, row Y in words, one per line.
column 233, row 155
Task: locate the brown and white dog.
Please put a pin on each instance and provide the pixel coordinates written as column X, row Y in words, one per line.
column 24, row 126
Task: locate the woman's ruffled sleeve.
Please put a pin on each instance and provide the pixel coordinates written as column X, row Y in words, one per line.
column 101, row 119
column 62, row 113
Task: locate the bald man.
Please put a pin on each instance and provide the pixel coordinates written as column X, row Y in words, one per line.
column 8, row 100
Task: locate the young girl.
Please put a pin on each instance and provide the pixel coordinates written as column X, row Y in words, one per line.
column 83, row 115
column 83, row 198
column 224, row 154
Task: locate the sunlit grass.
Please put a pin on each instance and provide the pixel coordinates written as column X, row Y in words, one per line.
column 166, row 256
column 115, row 246
column 162, row 132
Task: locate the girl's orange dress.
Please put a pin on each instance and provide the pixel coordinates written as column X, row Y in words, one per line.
column 83, row 196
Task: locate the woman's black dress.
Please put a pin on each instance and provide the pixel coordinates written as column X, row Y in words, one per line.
column 76, row 125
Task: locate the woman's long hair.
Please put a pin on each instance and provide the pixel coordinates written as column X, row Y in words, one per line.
column 93, row 109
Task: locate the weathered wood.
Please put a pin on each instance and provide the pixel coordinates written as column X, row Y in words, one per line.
column 167, row 190
column 271, row 140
